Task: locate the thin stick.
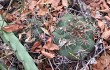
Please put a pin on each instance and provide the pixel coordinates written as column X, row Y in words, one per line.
column 92, row 58
column 77, row 66
column 21, row 17
column 50, row 64
column 8, row 8
column 7, row 55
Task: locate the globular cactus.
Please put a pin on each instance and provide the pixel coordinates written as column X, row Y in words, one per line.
column 20, row 50
column 74, row 35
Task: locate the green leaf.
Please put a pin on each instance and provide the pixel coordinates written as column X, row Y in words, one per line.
column 19, row 49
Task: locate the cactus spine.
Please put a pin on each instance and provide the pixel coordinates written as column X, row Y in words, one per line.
column 74, row 35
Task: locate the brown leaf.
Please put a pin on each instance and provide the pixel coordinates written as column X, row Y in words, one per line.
column 65, row 3
column 45, row 1
column 47, row 54
column 50, row 46
column 104, row 58
column 105, row 4
column 102, row 63
column 24, row 14
column 105, row 10
column 107, row 18
column 46, row 24
column 106, row 35
column 42, row 11
column 54, row 47
column 58, row 8
column 92, row 4
column 13, row 27
column 32, row 4
column 108, row 1
column 55, row 3
column 10, row 17
column 36, row 44
column 102, row 7
column 101, row 25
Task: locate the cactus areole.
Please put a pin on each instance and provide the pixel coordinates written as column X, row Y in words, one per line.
column 74, row 35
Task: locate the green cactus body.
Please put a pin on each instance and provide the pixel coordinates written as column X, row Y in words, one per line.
column 74, row 36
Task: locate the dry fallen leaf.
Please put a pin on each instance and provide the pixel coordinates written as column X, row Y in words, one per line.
column 101, row 25
column 106, row 35
column 45, row 31
column 55, row 3
column 46, row 24
column 58, row 8
column 36, row 44
column 47, row 54
column 47, row 49
column 42, row 12
column 45, row 1
column 94, row 5
column 103, row 63
column 32, row 4
column 50, row 46
column 108, row 1
column 65, row 3
column 104, row 58
column 107, row 18
column 13, row 27
column 105, row 4
column 10, row 17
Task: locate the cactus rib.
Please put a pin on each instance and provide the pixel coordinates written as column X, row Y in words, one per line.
column 78, row 34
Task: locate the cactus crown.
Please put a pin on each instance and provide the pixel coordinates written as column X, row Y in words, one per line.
column 74, row 35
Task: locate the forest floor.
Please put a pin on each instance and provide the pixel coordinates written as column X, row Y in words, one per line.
column 25, row 18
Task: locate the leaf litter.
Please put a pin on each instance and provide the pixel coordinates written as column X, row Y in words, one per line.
column 50, row 12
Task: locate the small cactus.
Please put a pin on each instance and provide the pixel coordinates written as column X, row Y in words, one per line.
column 74, row 35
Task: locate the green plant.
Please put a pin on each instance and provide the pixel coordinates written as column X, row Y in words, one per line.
column 74, row 35
column 20, row 50
column 2, row 65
